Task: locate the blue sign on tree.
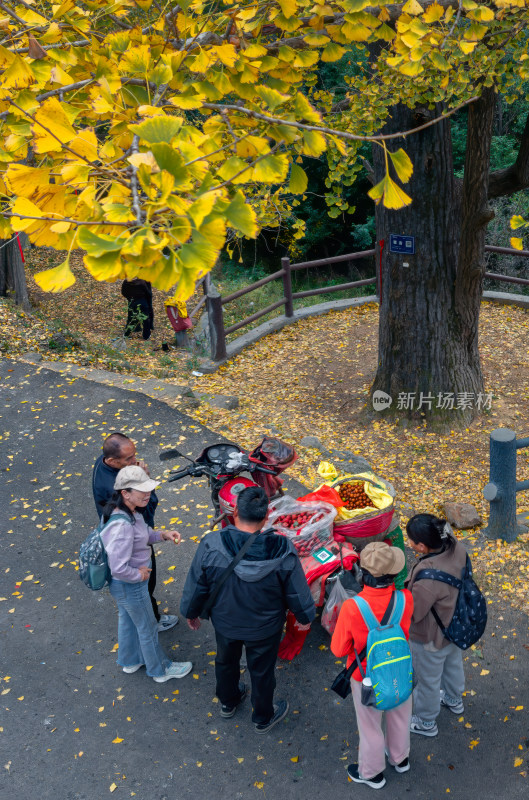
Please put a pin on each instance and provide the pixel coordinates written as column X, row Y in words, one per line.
column 401, row 244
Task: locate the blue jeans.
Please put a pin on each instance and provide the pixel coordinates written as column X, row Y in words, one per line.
column 137, row 628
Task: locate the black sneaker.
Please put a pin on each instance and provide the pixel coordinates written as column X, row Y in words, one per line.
column 280, row 712
column 229, row 711
column 403, row 766
column 376, row 782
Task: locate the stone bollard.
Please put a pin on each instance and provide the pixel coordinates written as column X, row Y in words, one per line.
column 501, row 490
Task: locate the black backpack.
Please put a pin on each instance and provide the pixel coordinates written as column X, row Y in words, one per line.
column 470, row 614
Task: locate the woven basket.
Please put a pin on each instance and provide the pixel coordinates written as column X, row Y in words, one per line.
column 371, row 524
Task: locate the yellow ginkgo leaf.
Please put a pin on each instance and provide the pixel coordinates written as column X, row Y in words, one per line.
column 518, row 762
column 84, row 145
column 60, row 227
column 392, row 196
column 117, row 740
column 412, row 7
column 403, row 165
column 56, row 280
column 433, row 13
column 25, row 207
column 52, row 128
column 137, row 159
column 18, row 75
column 516, row 243
column 517, row 221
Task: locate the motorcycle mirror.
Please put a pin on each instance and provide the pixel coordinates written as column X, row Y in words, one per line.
column 165, row 455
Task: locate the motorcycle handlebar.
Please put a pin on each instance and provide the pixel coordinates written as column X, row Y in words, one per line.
column 180, row 474
column 264, row 469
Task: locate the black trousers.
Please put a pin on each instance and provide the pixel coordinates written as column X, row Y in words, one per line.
column 261, row 658
column 133, row 324
column 152, row 585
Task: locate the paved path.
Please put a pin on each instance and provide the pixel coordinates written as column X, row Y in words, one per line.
column 72, row 725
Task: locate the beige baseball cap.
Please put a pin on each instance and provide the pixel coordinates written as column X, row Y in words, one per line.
column 134, row 477
column 380, row 558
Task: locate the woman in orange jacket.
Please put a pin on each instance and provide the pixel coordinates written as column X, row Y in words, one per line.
column 380, row 563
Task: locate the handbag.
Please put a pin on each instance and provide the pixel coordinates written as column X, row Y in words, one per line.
column 210, row 602
column 342, row 683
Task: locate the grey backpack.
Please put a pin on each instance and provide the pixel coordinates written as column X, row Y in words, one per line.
column 93, row 561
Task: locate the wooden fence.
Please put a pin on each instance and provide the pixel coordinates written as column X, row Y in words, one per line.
column 215, row 302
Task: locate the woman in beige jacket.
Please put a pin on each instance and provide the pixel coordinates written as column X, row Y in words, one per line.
column 437, row 663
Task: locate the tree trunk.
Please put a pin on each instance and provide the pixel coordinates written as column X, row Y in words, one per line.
column 428, row 355
column 12, row 274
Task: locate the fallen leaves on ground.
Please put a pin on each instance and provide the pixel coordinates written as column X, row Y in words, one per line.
column 84, row 324
column 313, row 378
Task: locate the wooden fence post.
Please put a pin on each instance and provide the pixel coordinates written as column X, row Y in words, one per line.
column 287, row 287
column 216, row 324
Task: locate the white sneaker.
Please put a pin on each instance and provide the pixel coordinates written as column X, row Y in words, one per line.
column 418, row 725
column 167, row 621
column 176, row 669
column 456, row 706
column 135, row 668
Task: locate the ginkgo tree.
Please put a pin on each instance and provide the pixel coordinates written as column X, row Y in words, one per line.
column 142, row 132
column 147, row 133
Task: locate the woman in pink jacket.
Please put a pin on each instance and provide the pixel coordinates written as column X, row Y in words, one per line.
column 126, row 539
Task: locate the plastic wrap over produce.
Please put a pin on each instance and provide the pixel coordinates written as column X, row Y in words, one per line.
column 308, row 525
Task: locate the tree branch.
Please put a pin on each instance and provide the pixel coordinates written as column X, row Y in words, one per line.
column 58, row 218
column 507, row 181
column 221, row 107
column 14, row 16
column 134, row 182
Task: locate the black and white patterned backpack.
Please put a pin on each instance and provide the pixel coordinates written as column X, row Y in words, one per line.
column 470, row 614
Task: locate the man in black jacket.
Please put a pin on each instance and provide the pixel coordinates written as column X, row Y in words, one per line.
column 119, row 451
column 251, row 607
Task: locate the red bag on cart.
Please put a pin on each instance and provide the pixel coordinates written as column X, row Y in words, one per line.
column 325, row 494
column 317, row 567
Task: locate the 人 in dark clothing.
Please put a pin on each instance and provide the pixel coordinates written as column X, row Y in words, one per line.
column 138, row 293
column 261, row 659
column 249, row 610
column 103, row 479
column 252, row 604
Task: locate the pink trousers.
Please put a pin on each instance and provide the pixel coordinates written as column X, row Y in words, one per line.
column 373, row 743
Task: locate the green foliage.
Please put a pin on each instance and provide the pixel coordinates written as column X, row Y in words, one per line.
column 137, row 318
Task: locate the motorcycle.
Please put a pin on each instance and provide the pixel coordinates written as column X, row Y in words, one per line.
column 223, row 463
